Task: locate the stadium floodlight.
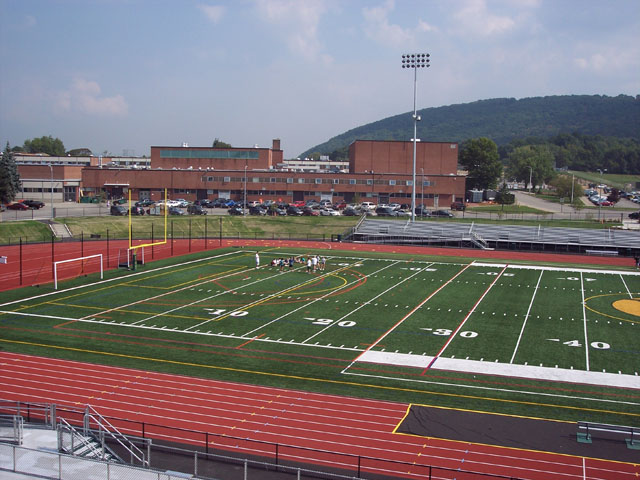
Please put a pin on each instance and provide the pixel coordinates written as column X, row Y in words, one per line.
column 415, row 61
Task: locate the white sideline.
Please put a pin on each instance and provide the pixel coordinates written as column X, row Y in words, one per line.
column 503, row 369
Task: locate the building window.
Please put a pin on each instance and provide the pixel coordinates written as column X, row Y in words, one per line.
column 369, row 181
column 273, row 179
column 318, row 180
column 301, row 180
column 392, row 182
column 336, row 181
column 409, row 183
column 352, row 181
column 289, row 179
column 226, row 179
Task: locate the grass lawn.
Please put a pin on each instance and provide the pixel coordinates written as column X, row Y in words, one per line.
column 213, row 314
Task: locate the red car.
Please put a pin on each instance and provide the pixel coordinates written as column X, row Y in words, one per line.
column 18, row 206
column 299, row 204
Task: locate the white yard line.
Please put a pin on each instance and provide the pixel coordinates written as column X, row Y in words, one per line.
column 526, row 317
column 366, row 303
column 584, row 319
column 126, row 279
column 626, row 287
column 415, row 309
column 317, row 299
column 455, row 333
column 503, row 369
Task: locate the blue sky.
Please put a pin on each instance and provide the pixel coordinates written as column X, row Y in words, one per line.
column 122, row 75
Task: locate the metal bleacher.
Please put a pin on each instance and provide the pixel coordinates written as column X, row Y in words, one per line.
column 504, row 237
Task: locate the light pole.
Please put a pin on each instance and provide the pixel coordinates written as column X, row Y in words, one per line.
column 51, row 168
column 600, row 194
column 573, row 181
column 244, row 205
column 422, row 191
column 415, row 61
column 530, row 174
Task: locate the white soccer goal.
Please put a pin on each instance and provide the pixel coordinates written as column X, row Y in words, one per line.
column 83, row 261
column 126, row 257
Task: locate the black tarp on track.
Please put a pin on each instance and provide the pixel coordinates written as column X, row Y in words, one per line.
column 515, row 432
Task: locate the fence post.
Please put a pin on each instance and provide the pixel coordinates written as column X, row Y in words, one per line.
column 246, row 472
column 195, row 464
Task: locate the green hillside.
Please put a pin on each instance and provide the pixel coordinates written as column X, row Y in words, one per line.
column 503, row 120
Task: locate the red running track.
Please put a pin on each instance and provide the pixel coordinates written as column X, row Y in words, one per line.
column 288, row 417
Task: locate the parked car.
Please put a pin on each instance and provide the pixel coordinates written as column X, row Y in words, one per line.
column 144, row 203
column 230, row 204
column 35, row 204
column 460, row 206
column 136, row 210
column 118, row 210
column 421, row 211
column 340, row 205
column 367, row 205
column 294, row 211
column 386, row 212
column 280, row 211
column 235, row 211
column 17, row 206
column 196, row 210
column 634, row 215
column 309, row 212
column 175, row 211
column 298, row 203
column 328, row 212
column 181, row 202
column 256, row 210
column 441, row 213
column 350, row 212
column 395, row 206
column 325, row 203
column 219, row 203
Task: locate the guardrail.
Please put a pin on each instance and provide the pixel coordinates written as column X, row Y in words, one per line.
column 588, row 427
column 282, row 455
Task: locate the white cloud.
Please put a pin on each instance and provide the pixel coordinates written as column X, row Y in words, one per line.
column 213, row 12
column 298, row 21
column 381, row 30
column 378, row 27
column 475, row 18
column 84, row 97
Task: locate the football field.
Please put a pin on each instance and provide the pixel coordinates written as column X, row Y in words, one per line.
column 528, row 339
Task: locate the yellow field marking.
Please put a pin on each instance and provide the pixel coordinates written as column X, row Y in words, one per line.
column 58, row 302
column 284, row 292
column 177, row 285
column 635, row 312
column 322, row 380
column 135, row 312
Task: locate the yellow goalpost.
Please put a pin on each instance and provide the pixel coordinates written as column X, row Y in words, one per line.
column 133, row 248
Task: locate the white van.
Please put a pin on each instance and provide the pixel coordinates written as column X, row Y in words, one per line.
column 368, row 206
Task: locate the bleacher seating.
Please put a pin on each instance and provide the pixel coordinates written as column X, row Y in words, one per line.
column 373, row 230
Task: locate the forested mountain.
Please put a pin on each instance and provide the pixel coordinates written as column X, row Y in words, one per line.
column 502, row 120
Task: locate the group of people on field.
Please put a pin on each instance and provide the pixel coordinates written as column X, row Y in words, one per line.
column 313, row 263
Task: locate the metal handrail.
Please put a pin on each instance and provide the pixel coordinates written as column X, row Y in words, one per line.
column 105, row 426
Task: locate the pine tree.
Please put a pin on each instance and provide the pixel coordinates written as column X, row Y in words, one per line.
column 9, row 177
